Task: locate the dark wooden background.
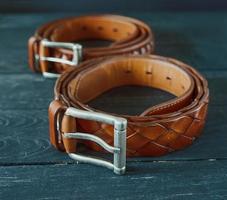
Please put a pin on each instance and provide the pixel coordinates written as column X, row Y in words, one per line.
column 22, row 6
column 31, row 169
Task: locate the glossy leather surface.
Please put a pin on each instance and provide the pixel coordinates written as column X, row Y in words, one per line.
column 159, row 130
column 127, row 36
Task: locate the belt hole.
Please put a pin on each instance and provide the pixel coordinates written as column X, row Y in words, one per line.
column 149, row 70
column 127, row 71
column 100, row 28
column 148, row 73
column 115, row 30
column 168, row 78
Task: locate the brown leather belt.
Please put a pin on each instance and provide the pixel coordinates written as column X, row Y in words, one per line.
column 159, row 130
column 52, row 49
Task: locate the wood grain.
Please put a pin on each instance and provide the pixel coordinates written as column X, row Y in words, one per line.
column 18, row 90
column 153, row 180
column 31, row 168
column 25, row 139
column 196, row 38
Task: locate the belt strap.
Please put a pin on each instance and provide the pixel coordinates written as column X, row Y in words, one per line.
column 52, row 49
column 159, row 130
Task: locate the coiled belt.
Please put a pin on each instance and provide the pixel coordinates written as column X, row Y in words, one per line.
column 52, row 49
column 159, row 130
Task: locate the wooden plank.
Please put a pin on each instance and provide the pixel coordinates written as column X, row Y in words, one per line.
column 28, row 6
column 32, row 91
column 166, row 180
column 181, row 37
column 24, row 126
column 25, row 139
column 31, row 168
column 25, row 91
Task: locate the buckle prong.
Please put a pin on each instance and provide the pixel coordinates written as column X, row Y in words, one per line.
column 119, row 148
column 87, row 136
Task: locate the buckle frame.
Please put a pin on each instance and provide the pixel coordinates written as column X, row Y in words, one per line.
column 119, row 148
column 77, row 55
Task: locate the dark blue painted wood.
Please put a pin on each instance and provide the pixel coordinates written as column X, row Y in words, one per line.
column 194, row 37
column 24, row 139
column 31, row 168
column 159, row 180
column 110, row 6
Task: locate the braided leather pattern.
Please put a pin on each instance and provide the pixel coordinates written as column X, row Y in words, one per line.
column 154, row 134
column 158, row 139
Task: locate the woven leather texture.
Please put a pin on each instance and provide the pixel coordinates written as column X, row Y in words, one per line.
column 160, row 130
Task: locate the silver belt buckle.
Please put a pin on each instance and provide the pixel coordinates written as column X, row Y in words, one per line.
column 119, row 148
column 77, row 55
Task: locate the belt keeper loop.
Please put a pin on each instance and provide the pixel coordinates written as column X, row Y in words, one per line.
column 56, row 108
column 69, row 126
column 33, row 54
column 44, row 52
